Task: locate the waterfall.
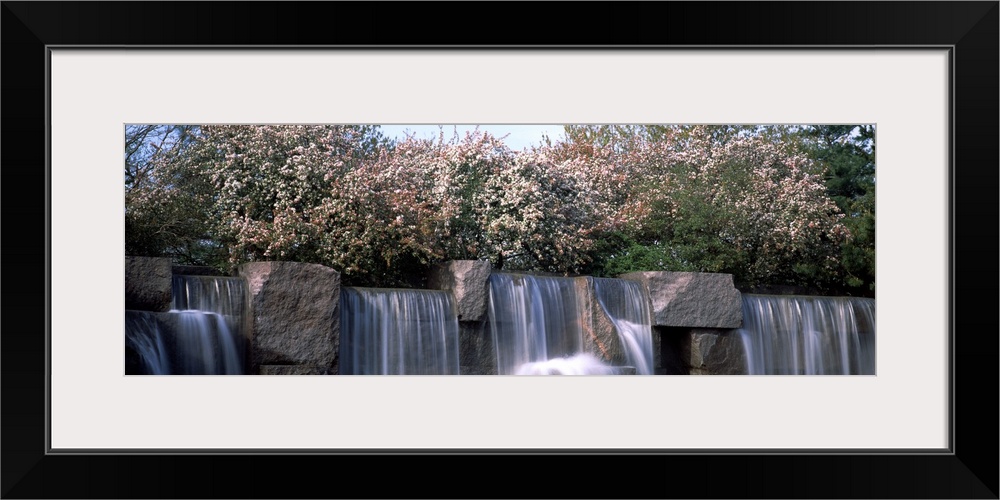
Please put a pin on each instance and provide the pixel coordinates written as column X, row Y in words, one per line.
column 533, row 319
column 206, row 345
column 211, row 316
column 398, row 332
column 627, row 306
column 808, row 335
column 221, row 295
column 202, row 334
column 144, row 338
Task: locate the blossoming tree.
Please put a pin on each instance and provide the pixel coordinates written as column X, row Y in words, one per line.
column 605, row 201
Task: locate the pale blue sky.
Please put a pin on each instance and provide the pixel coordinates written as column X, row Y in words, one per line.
column 519, row 138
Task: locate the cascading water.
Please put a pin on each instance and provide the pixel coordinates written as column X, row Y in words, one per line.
column 533, row 319
column 202, row 334
column 538, row 324
column 211, row 314
column 221, row 295
column 627, row 306
column 144, row 338
column 206, row 345
column 808, row 335
column 398, row 332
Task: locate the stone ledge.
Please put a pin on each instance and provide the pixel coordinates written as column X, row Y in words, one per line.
column 148, row 283
column 288, row 370
column 468, row 282
column 296, row 314
column 694, row 300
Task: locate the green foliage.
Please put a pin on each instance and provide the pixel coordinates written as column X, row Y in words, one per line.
column 772, row 205
column 164, row 209
column 639, row 257
column 848, row 153
column 735, row 199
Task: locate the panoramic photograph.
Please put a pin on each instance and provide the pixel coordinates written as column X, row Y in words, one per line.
column 444, row 249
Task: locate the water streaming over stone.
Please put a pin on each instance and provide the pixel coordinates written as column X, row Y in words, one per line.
column 226, row 296
column 202, row 334
column 211, row 315
column 206, row 345
column 808, row 335
column 398, row 332
column 144, row 338
column 533, row 319
column 627, row 306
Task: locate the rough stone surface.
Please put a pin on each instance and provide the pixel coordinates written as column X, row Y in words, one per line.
column 715, row 352
column 468, row 282
column 476, row 354
column 288, row 370
column 599, row 335
column 296, row 314
column 702, row 300
column 147, row 283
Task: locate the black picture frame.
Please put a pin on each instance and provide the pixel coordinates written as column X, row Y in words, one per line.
column 968, row 470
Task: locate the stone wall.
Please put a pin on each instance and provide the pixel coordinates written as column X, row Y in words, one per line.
column 147, row 293
column 599, row 335
column 469, row 284
column 147, row 284
column 698, row 351
column 476, row 353
column 694, row 317
column 296, row 316
column 694, row 300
